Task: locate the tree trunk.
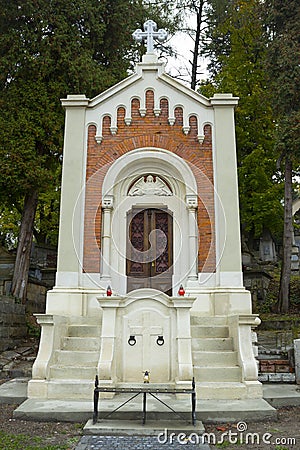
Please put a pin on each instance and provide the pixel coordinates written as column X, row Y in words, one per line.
column 283, row 296
column 21, row 268
column 196, row 46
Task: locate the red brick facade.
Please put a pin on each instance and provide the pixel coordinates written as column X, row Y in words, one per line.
column 149, row 131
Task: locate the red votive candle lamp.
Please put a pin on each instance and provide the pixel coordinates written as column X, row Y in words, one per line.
column 108, row 291
column 181, row 291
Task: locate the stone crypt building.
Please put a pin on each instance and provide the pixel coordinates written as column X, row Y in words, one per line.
column 149, row 203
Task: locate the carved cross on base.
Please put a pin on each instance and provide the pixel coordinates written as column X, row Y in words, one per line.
column 150, row 34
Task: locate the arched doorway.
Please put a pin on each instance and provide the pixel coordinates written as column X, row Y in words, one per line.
column 149, row 249
column 149, row 179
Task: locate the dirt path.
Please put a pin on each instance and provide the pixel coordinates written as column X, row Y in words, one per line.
column 277, row 435
column 266, row 435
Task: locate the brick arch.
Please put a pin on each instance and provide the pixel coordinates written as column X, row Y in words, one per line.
column 157, row 133
column 164, row 107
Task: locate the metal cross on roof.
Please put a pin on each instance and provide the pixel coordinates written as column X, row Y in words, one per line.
column 150, row 34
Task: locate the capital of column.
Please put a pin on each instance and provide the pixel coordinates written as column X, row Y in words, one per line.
column 108, row 202
column 191, row 201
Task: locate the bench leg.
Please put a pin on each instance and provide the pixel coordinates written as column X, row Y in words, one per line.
column 144, row 408
column 194, row 402
column 96, row 400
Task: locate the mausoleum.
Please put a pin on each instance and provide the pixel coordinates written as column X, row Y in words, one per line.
column 149, row 204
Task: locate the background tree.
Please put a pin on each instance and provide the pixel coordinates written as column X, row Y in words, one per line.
column 47, row 50
column 282, row 25
column 254, row 51
column 236, row 46
column 196, row 9
column 190, row 16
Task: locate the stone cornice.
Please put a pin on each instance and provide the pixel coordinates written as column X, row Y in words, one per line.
column 224, row 100
column 79, row 100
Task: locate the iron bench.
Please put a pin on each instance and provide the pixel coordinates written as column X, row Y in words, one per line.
column 144, row 389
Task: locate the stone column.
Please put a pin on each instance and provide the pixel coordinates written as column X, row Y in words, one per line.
column 191, row 201
column 73, row 181
column 109, row 307
column 226, row 185
column 184, row 340
column 106, row 235
column 53, row 328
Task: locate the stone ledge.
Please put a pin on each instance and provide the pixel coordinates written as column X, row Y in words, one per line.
column 277, row 377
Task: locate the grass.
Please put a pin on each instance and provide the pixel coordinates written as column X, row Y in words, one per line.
column 24, row 442
column 225, row 444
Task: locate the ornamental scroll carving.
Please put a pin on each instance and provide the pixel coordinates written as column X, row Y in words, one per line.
column 150, row 185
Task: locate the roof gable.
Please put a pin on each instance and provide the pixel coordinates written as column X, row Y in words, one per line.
column 149, row 76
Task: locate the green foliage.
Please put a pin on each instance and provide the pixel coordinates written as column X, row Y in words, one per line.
column 282, row 29
column 10, row 219
column 49, row 50
column 272, row 294
column 237, row 45
column 260, row 195
column 223, row 444
column 33, row 329
column 24, row 442
column 295, row 290
column 47, row 215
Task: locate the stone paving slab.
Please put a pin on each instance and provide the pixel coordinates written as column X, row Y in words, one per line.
column 125, row 427
column 279, row 395
column 14, row 391
column 138, row 443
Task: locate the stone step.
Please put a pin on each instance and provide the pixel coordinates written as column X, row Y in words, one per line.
column 81, row 344
column 73, row 372
column 83, row 331
column 220, row 390
column 71, row 389
column 71, row 358
column 221, row 374
column 208, row 320
column 215, row 359
column 212, row 344
column 79, row 410
column 127, row 427
column 218, row 331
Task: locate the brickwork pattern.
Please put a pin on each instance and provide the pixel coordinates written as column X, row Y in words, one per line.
column 149, row 131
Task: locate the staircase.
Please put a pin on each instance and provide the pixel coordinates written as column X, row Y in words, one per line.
column 75, row 363
column 216, row 369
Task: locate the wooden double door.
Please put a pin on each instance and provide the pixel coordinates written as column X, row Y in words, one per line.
column 149, row 252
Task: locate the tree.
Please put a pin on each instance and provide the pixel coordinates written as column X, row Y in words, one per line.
column 254, row 52
column 190, row 20
column 236, row 46
column 195, row 8
column 283, row 30
column 47, row 50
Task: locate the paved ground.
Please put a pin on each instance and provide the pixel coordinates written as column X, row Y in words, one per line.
column 134, row 443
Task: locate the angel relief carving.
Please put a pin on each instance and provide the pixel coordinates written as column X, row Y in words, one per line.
column 150, row 185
